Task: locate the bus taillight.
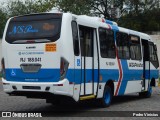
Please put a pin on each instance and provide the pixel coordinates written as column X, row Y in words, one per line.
column 63, row 68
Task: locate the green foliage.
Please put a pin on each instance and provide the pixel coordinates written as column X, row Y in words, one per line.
column 143, row 16
column 149, row 20
column 19, row 7
column 78, row 7
column 3, row 18
column 88, row 7
column 139, row 6
column 101, row 7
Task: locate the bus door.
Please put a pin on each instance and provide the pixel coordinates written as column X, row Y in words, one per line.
column 146, row 64
column 87, row 38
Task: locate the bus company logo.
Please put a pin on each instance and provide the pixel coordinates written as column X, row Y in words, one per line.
column 30, row 53
column 6, row 114
column 23, row 30
column 135, row 65
column 19, row 53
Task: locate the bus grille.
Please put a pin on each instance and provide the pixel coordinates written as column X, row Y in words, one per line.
column 30, row 68
column 31, row 87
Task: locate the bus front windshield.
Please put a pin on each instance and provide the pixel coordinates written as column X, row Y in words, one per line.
column 20, row 29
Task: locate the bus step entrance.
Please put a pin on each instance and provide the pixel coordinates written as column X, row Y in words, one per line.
column 87, row 97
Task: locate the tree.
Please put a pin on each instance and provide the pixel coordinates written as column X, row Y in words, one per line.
column 78, row 7
column 107, row 8
column 95, row 7
column 148, row 20
column 20, row 7
column 139, row 6
column 3, row 19
column 102, row 7
column 150, row 4
column 135, row 6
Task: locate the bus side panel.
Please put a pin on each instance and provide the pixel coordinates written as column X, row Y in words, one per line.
column 77, row 77
column 67, row 51
column 108, row 71
column 132, row 77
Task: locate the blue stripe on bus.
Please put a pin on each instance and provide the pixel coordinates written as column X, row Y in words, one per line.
column 53, row 75
column 125, row 75
column 43, row 75
column 111, row 74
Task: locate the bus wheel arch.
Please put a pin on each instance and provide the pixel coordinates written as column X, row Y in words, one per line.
column 108, row 92
column 110, row 83
column 148, row 93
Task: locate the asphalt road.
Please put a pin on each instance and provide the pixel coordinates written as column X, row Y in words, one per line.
column 126, row 103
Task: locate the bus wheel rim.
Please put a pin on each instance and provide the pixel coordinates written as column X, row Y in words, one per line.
column 107, row 97
column 150, row 90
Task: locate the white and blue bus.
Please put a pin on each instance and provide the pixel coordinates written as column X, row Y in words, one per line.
column 59, row 55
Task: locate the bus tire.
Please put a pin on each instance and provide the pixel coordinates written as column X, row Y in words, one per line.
column 107, row 97
column 146, row 94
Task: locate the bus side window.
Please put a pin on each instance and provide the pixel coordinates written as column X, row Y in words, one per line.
column 153, row 55
column 75, row 38
column 107, row 45
column 135, row 48
column 86, row 41
column 122, row 45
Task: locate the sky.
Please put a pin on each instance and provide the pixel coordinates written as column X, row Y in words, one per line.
column 5, row 1
column 2, row 2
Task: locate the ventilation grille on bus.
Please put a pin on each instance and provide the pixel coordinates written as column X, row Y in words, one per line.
column 30, row 68
column 31, row 87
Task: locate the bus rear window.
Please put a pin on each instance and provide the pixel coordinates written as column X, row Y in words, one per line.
column 35, row 28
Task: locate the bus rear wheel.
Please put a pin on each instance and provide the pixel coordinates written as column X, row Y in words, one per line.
column 146, row 94
column 107, row 97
